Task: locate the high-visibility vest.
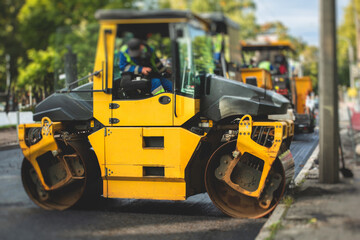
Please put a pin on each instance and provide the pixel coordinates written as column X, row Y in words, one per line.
column 124, row 51
column 265, row 65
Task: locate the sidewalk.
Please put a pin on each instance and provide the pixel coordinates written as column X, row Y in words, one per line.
column 323, row 211
column 319, row 211
column 8, row 138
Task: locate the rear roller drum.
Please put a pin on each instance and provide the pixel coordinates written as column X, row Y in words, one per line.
column 234, row 203
column 83, row 189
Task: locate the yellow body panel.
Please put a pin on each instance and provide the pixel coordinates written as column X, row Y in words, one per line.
column 147, row 189
column 263, row 77
column 150, row 112
column 101, row 99
column 144, row 112
column 97, row 142
column 126, row 155
column 280, row 44
column 143, row 21
column 186, row 108
column 303, row 88
column 133, row 112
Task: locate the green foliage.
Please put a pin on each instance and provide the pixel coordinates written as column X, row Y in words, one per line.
column 273, row 229
column 240, row 11
column 40, row 19
column 277, row 28
column 10, row 126
column 311, row 64
column 39, row 73
column 282, row 32
column 203, row 58
column 312, row 221
column 288, row 200
column 171, row 4
column 48, row 27
column 81, row 40
column 346, row 34
column 10, row 43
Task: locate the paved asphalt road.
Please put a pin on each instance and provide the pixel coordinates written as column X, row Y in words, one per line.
column 195, row 218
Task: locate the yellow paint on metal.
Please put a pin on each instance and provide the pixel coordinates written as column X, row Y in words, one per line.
column 290, row 128
column 143, row 21
column 46, row 144
column 147, row 190
column 303, row 89
column 268, row 155
column 263, row 77
column 140, row 112
column 150, row 112
column 126, row 156
column 97, row 141
column 281, row 44
column 186, row 108
column 211, row 123
column 101, row 99
column 144, row 112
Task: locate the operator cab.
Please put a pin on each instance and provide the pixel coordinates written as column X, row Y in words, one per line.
column 182, row 43
column 179, row 39
column 278, row 54
column 154, row 37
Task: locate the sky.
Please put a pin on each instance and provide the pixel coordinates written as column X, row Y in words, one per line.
column 300, row 16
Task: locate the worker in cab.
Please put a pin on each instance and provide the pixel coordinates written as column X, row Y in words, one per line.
column 138, row 58
column 266, row 64
column 252, row 63
column 280, row 64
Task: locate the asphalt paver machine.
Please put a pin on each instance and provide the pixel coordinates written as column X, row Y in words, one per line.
column 209, row 134
column 285, row 81
column 276, row 52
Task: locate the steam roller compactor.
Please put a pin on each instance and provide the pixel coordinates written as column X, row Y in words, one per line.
column 210, row 134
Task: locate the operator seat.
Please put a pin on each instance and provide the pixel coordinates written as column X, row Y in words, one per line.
column 130, row 86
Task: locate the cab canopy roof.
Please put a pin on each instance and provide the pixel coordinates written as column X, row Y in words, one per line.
column 220, row 22
column 125, row 14
column 276, row 45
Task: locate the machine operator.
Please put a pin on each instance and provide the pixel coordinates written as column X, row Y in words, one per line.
column 138, row 58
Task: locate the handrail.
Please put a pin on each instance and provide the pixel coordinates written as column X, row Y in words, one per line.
column 96, row 73
column 106, row 31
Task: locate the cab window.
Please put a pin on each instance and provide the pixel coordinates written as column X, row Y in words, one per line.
column 155, row 37
column 196, row 58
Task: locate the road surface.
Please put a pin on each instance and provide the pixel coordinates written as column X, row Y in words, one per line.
column 195, row 218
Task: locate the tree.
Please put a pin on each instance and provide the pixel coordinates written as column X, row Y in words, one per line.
column 346, row 34
column 48, row 27
column 282, row 32
column 179, row 4
column 311, row 64
column 10, row 44
column 39, row 72
column 240, row 11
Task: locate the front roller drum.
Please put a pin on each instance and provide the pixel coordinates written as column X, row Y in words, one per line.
column 234, row 203
column 81, row 191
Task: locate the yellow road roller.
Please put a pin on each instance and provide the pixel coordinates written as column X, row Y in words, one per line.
column 112, row 138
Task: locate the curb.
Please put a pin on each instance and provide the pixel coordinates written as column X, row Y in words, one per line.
column 9, row 147
column 281, row 208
